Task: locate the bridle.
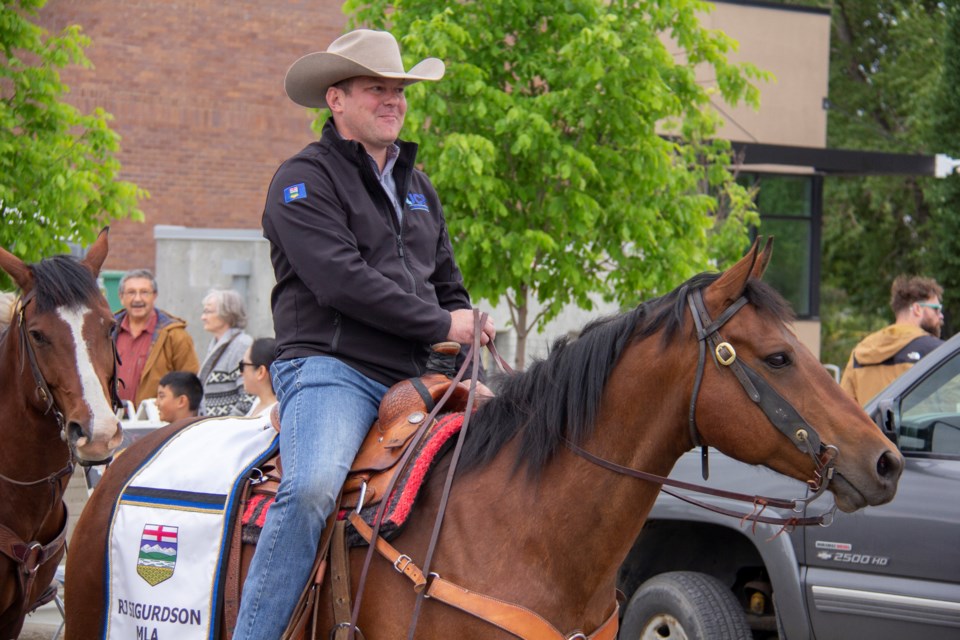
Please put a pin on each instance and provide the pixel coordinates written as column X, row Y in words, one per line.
column 43, row 395
column 778, row 410
column 42, row 390
column 28, row 557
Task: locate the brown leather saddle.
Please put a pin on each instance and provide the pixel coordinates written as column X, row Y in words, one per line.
column 402, row 412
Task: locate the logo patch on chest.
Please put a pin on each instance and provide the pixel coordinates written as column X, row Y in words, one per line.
column 417, row 202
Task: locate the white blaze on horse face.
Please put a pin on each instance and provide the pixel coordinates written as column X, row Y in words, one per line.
column 104, row 427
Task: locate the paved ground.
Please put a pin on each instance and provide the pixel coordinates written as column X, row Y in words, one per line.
column 42, row 624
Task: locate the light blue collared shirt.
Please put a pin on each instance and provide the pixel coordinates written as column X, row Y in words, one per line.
column 386, row 178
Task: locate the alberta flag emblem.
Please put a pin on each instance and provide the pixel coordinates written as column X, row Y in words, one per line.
column 158, row 553
column 295, row 192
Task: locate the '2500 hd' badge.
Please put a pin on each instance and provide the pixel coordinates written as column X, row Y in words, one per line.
column 842, row 552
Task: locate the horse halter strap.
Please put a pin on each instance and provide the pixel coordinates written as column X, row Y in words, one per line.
column 42, row 390
column 778, row 410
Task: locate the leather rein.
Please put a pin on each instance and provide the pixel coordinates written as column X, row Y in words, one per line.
column 30, row 556
column 427, row 584
column 778, row 410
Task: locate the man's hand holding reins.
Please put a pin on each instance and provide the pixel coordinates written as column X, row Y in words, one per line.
column 461, row 327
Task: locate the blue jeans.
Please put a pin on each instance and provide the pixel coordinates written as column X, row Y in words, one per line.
column 326, row 409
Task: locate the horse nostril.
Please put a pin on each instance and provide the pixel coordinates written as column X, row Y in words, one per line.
column 889, row 466
column 75, row 434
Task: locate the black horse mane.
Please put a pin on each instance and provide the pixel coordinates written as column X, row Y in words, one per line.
column 558, row 398
column 62, row 281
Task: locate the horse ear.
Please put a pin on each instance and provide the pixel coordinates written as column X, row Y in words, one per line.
column 19, row 271
column 97, row 252
column 732, row 282
column 760, row 266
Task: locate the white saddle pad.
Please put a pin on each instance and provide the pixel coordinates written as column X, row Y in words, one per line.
column 166, row 553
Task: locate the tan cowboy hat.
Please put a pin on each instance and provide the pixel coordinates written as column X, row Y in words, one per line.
column 359, row 53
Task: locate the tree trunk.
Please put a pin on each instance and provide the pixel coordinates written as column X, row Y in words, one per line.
column 520, row 355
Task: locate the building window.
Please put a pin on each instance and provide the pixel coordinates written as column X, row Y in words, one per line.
column 790, row 208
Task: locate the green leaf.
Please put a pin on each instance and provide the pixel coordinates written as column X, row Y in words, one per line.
column 58, row 169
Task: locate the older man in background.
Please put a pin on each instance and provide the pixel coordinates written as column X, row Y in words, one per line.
column 150, row 341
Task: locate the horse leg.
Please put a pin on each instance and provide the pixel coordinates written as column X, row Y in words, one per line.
column 8, row 593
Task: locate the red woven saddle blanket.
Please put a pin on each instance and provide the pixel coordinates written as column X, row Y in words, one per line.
column 437, row 441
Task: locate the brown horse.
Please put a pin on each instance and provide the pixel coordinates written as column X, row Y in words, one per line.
column 529, row 520
column 57, row 379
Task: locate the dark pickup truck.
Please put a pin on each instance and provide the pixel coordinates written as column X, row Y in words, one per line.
column 883, row 572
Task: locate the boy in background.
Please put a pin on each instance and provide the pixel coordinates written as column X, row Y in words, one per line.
column 178, row 396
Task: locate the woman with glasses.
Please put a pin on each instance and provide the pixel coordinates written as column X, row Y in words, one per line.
column 255, row 373
column 224, row 315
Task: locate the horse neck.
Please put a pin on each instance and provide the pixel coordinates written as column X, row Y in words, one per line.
column 586, row 516
column 24, row 420
column 642, row 425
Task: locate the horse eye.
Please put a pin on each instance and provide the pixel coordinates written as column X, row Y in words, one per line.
column 777, row 360
column 38, row 337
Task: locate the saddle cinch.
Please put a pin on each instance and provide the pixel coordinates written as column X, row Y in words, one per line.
column 402, row 412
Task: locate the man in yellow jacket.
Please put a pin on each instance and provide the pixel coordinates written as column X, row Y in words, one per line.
column 883, row 355
column 150, row 342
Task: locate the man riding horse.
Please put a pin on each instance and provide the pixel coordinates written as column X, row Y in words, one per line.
column 366, row 281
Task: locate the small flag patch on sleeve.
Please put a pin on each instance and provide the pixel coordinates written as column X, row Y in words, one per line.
column 295, row 192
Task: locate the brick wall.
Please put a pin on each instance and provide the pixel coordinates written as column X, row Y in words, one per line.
column 196, row 92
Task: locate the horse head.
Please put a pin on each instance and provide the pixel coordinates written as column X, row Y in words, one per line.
column 751, row 349
column 62, row 333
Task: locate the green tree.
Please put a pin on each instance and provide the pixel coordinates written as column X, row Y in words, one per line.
column 944, row 195
column 884, row 67
column 544, row 140
column 58, row 173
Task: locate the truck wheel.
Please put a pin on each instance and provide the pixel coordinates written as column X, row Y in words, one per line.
column 684, row 605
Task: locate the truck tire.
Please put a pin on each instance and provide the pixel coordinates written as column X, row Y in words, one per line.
column 684, row 605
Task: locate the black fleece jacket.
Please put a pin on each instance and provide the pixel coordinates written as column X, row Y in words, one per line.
column 352, row 282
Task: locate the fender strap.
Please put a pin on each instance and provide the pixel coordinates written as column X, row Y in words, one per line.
column 512, row 618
